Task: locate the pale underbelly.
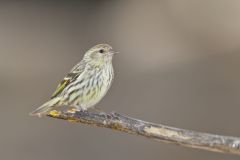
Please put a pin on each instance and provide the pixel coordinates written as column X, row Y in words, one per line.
column 87, row 98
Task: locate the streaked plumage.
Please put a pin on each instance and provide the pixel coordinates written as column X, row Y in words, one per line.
column 86, row 84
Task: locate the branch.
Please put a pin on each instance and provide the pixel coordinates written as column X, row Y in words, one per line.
column 187, row 138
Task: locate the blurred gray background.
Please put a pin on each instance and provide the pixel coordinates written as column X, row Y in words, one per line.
column 178, row 65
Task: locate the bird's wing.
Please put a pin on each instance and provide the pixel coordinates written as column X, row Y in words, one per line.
column 70, row 77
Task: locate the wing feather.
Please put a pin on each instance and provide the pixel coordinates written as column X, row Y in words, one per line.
column 70, row 77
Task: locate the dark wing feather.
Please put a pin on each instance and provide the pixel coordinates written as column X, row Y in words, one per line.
column 75, row 72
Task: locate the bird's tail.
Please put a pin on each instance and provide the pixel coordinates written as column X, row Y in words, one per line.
column 46, row 107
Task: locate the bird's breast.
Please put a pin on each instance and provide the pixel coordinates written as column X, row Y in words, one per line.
column 92, row 87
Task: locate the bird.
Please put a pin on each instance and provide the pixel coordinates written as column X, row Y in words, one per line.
column 86, row 84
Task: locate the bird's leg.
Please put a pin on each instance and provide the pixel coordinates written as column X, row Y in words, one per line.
column 74, row 109
column 71, row 110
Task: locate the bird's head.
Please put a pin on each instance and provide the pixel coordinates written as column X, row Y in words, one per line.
column 99, row 55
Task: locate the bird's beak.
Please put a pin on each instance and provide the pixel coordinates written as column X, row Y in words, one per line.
column 113, row 52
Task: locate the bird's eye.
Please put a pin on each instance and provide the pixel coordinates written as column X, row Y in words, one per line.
column 101, row 50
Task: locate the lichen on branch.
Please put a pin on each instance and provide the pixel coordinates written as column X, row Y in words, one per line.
column 187, row 138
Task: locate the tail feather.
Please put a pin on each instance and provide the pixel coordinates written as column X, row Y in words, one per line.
column 46, row 107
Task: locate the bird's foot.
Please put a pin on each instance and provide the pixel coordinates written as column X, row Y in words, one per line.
column 73, row 110
column 76, row 109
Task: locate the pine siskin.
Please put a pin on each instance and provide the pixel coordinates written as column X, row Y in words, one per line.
column 86, row 84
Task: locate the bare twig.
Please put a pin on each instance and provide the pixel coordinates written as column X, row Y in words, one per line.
column 159, row 132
